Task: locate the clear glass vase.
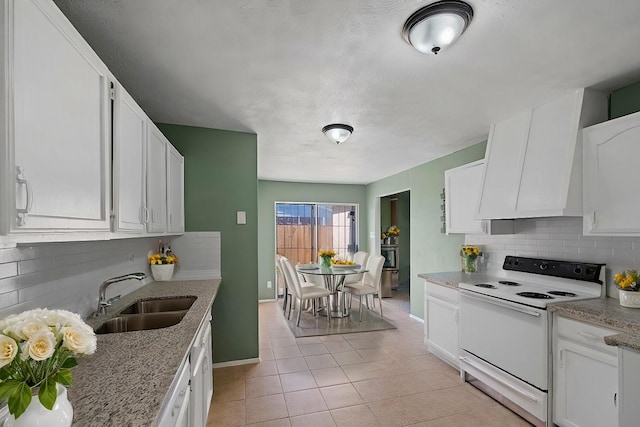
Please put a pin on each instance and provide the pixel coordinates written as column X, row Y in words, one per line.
column 469, row 264
column 325, row 261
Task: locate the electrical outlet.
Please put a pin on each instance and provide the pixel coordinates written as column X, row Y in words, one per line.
column 269, row 284
column 132, row 256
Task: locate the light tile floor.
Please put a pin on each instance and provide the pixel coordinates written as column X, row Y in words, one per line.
column 382, row 378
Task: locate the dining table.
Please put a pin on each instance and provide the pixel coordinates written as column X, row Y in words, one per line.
column 333, row 278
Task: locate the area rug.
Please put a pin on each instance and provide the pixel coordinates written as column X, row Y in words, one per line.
column 313, row 326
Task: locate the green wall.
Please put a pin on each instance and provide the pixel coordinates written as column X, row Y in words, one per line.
column 625, row 101
column 270, row 192
column 220, row 179
column 431, row 251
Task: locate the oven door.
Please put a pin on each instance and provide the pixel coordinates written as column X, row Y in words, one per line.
column 510, row 336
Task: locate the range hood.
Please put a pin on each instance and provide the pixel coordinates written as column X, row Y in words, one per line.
column 533, row 162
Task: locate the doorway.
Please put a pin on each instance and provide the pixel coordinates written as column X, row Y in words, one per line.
column 395, row 213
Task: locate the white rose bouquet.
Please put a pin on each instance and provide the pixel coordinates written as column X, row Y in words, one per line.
column 37, row 349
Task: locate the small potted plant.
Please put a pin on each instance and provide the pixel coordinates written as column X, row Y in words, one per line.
column 629, row 284
column 162, row 266
column 37, row 350
column 392, row 234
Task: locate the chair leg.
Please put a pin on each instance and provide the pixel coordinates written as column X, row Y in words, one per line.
column 361, row 308
column 380, row 302
column 314, row 308
column 328, row 310
column 291, row 301
column 299, row 313
column 284, row 303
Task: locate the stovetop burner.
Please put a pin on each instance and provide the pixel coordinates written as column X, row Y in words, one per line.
column 535, row 295
column 562, row 293
column 508, row 283
column 486, row 285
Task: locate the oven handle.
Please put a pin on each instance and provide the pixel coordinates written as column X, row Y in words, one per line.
column 493, row 377
column 499, row 303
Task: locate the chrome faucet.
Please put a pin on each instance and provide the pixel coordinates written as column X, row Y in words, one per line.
column 102, row 302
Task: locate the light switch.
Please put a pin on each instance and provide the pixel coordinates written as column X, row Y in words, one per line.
column 241, row 217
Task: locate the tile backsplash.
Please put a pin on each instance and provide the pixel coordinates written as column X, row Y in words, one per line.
column 561, row 239
column 68, row 275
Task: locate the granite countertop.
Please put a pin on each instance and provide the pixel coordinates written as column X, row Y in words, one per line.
column 608, row 313
column 125, row 382
column 451, row 279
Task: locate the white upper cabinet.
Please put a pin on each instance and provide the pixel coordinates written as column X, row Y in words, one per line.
column 175, row 190
column 533, row 164
column 611, row 192
column 157, row 180
column 55, row 125
column 129, row 164
column 462, row 189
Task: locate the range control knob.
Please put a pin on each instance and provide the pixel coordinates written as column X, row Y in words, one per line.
column 578, row 270
column 544, row 266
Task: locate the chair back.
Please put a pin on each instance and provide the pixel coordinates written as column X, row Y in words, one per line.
column 373, row 276
column 361, row 258
column 291, row 277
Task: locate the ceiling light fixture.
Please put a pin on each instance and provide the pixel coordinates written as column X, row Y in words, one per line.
column 337, row 132
column 437, row 26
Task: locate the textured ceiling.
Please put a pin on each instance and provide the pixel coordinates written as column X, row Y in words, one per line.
column 285, row 68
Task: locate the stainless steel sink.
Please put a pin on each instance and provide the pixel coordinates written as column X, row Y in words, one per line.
column 157, row 305
column 141, row 322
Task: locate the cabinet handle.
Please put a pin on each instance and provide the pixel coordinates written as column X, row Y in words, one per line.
column 593, row 220
column 561, row 358
column 615, row 399
column 146, row 215
column 21, row 180
column 170, row 219
column 456, row 316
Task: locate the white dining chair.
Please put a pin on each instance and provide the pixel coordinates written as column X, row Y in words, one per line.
column 302, row 293
column 361, row 259
column 280, row 275
column 370, row 283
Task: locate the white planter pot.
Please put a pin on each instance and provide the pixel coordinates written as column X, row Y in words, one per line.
column 162, row 272
column 37, row 415
column 629, row 299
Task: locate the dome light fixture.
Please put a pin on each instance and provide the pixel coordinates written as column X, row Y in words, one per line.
column 437, row 26
column 337, row 132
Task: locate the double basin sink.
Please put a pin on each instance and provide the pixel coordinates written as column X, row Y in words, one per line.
column 151, row 313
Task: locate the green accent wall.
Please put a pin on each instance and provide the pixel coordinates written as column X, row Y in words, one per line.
column 625, row 101
column 220, row 179
column 431, row 251
column 270, row 192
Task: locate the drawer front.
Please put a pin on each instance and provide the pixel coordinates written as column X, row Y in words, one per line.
column 442, row 292
column 586, row 334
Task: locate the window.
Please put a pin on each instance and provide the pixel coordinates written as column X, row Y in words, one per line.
column 304, row 228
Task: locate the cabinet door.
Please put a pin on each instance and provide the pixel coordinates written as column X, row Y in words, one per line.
column 441, row 322
column 129, row 160
column 503, row 163
column 610, row 181
column 551, row 142
column 586, row 386
column 60, row 132
column 462, row 188
column 176, row 412
column 197, row 416
column 175, row 190
column 157, row 180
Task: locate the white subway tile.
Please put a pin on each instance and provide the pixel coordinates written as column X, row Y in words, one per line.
column 9, row 269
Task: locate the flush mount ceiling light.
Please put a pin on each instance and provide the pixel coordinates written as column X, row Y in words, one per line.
column 437, row 26
column 337, row 132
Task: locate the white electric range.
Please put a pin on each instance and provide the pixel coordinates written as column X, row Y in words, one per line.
column 505, row 328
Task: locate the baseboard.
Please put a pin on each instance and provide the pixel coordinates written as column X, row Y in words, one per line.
column 411, row 316
column 266, row 300
column 236, row 363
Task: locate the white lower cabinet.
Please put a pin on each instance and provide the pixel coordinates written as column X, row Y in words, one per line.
column 176, row 413
column 201, row 375
column 585, row 376
column 442, row 312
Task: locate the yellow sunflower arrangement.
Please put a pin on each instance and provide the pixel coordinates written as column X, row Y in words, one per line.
column 469, row 254
column 628, row 280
